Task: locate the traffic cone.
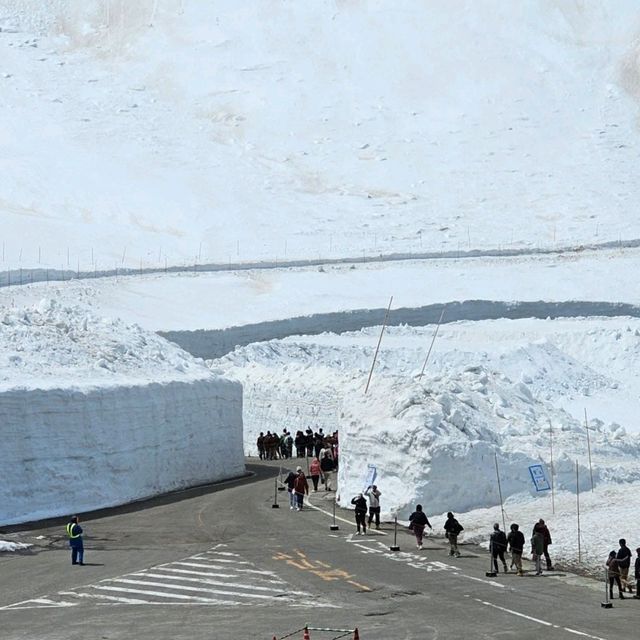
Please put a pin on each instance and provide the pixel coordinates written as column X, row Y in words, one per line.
column 356, row 635
column 306, row 635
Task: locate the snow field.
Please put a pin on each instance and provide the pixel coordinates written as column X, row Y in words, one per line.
column 198, row 132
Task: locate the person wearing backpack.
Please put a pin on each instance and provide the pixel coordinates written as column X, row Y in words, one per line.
column 452, row 530
column 498, row 545
column 360, row 503
column 417, row 522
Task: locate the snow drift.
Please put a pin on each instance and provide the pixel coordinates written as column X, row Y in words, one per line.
column 95, row 413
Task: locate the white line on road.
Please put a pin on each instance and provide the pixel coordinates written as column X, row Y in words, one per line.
column 217, row 583
column 102, row 596
column 221, row 592
column 538, row 620
column 162, row 594
column 206, row 574
column 212, row 566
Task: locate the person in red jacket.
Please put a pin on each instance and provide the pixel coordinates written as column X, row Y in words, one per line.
column 546, row 535
column 315, row 472
column 300, row 488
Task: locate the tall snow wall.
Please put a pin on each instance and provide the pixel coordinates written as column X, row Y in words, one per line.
column 72, row 450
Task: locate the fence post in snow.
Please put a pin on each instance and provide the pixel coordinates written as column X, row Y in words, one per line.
column 432, row 342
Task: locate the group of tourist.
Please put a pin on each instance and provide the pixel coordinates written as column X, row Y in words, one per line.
column 307, row 444
column 321, row 471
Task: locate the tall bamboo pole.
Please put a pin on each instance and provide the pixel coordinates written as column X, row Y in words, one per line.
column 586, row 426
column 553, row 494
column 578, row 510
column 424, row 366
column 375, row 355
column 504, row 522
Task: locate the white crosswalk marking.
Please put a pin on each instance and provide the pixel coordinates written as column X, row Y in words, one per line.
column 214, row 578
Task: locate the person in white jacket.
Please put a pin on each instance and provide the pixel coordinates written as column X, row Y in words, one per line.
column 374, row 504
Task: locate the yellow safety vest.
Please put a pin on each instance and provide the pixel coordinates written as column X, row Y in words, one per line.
column 70, row 530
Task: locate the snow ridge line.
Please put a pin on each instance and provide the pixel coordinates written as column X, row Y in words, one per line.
column 215, row 343
column 22, row 275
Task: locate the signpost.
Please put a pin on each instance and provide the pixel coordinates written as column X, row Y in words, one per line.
column 539, row 477
column 370, row 478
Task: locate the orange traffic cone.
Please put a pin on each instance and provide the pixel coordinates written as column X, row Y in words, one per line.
column 356, row 635
column 306, row 635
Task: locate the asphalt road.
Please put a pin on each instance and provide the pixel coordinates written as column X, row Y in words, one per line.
column 221, row 563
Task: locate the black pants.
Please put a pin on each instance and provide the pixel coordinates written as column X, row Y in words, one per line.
column 374, row 512
column 498, row 553
column 615, row 579
column 361, row 519
column 315, row 479
column 547, row 557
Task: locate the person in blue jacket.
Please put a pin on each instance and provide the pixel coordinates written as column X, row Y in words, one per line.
column 74, row 532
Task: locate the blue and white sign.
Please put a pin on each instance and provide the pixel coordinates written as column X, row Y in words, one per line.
column 539, row 477
column 370, row 479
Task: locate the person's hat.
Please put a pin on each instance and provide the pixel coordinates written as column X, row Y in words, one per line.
column 298, row 468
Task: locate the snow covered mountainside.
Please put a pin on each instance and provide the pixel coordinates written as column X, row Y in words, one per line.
column 138, row 134
column 97, row 413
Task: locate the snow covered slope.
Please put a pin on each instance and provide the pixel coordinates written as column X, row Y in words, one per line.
column 135, row 133
column 96, row 413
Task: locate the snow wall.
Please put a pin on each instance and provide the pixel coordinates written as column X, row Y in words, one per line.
column 69, row 450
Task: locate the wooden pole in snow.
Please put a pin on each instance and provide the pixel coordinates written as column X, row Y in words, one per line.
column 435, row 333
column 375, row 355
column 586, row 426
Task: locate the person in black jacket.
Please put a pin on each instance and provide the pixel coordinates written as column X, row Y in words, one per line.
column 417, row 522
column 452, row 530
column 290, row 480
column 498, row 545
column 624, row 562
column 515, row 540
column 360, row 503
column 327, row 467
column 637, row 574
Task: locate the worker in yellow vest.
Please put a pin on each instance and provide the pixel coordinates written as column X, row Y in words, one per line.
column 74, row 532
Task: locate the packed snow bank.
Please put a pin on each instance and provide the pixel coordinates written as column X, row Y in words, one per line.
column 13, row 546
column 95, row 413
column 491, row 389
column 237, row 131
column 606, row 515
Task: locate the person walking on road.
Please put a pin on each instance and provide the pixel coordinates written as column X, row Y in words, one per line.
column 74, row 533
column 546, row 537
column 374, row 504
column 327, row 466
column 637, row 574
column 360, row 503
column 624, row 562
column 290, row 481
column 498, row 545
column 417, row 522
column 613, row 573
column 515, row 540
column 537, row 549
column 301, row 488
column 315, row 472
column 452, row 530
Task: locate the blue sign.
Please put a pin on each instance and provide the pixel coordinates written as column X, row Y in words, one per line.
column 372, row 472
column 539, row 477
